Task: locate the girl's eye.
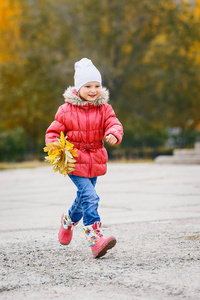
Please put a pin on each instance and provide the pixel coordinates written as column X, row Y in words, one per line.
column 88, row 86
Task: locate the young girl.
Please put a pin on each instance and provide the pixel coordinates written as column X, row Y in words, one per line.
column 86, row 118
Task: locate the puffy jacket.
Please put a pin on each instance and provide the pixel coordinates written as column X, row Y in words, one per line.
column 86, row 124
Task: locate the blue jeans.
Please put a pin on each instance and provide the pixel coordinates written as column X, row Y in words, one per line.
column 86, row 203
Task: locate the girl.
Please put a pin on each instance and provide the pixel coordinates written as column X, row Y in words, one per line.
column 86, row 119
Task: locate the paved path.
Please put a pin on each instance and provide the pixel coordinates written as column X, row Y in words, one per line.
column 153, row 210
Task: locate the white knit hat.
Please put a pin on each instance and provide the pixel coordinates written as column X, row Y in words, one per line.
column 85, row 72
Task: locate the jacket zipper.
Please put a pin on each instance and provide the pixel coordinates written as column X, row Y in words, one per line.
column 87, row 139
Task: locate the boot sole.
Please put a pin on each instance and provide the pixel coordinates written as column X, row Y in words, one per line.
column 110, row 244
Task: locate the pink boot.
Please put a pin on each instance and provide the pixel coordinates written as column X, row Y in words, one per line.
column 99, row 244
column 66, row 230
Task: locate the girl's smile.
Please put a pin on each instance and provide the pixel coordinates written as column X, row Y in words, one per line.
column 90, row 91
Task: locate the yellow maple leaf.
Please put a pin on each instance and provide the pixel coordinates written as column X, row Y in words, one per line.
column 61, row 155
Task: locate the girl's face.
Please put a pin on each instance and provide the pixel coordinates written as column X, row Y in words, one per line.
column 90, row 91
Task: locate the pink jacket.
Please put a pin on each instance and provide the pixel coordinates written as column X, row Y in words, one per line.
column 86, row 124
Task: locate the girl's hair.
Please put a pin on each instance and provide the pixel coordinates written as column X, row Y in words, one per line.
column 79, row 95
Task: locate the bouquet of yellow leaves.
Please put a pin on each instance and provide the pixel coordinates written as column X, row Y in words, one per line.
column 61, row 155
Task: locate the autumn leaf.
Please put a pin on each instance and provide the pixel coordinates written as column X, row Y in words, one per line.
column 61, row 155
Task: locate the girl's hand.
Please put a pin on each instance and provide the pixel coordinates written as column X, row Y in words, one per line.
column 111, row 139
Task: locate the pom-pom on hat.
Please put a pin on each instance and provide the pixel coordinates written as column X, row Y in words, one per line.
column 85, row 72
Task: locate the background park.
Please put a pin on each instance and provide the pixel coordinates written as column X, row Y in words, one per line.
column 148, row 52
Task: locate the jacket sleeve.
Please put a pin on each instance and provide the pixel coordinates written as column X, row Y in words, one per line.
column 112, row 125
column 56, row 127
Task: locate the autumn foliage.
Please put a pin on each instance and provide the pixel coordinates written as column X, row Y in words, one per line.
column 148, row 53
column 61, row 155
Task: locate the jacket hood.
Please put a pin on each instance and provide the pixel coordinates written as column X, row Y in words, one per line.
column 71, row 97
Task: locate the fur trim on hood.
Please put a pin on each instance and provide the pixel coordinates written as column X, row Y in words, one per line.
column 74, row 99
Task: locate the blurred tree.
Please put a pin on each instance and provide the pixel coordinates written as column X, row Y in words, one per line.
column 31, row 83
column 137, row 45
column 12, row 144
column 174, row 58
column 147, row 51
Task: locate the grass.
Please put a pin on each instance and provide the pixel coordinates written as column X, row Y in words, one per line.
column 22, row 165
column 38, row 164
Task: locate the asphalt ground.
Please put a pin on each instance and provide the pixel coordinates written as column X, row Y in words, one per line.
column 152, row 210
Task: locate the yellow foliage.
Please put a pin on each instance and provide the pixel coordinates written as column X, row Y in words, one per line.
column 10, row 17
column 198, row 127
column 61, row 155
column 168, row 5
column 160, row 40
column 127, row 48
column 197, row 10
column 194, row 52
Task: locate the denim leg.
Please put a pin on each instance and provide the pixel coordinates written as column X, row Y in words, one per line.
column 86, row 202
column 75, row 212
column 93, row 181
